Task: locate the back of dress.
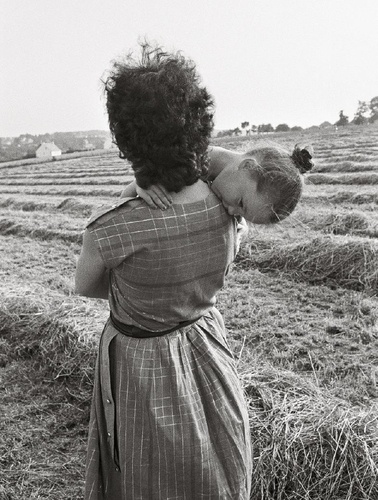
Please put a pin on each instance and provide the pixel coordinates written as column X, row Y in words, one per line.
column 165, row 266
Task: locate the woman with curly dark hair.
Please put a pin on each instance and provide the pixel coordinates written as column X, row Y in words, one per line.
column 168, row 418
column 160, row 118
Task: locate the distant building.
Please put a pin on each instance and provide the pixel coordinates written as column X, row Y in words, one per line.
column 48, row 150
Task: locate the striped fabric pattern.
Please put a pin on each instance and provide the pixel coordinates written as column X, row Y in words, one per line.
column 168, row 419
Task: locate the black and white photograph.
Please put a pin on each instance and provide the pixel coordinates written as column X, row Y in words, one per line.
column 188, row 250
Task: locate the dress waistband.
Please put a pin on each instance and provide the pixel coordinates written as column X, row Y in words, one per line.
column 135, row 331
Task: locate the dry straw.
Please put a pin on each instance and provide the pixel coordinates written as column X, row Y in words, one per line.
column 356, row 178
column 10, row 227
column 307, row 444
column 57, row 333
column 352, row 197
column 339, row 261
column 348, row 223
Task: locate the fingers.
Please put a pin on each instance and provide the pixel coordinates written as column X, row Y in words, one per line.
column 155, row 196
column 160, row 196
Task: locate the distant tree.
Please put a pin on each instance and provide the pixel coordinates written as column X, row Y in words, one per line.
column 254, row 128
column 225, row 133
column 343, row 120
column 359, row 120
column 296, row 128
column 282, row 127
column 269, row 128
column 245, row 124
column 373, row 105
column 359, row 117
column 264, row 128
column 236, row 131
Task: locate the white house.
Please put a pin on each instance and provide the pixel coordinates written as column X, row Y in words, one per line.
column 48, row 150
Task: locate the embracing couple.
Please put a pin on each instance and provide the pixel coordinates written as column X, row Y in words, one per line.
column 169, row 419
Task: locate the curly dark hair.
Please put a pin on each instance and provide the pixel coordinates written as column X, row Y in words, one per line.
column 278, row 174
column 160, row 117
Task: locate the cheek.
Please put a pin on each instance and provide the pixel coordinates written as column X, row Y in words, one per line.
column 233, row 195
column 259, row 213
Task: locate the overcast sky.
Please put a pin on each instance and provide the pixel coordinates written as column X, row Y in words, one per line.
column 265, row 61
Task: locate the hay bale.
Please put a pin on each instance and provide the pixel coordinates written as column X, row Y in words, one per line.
column 339, row 261
column 351, row 197
column 10, row 227
column 55, row 332
column 349, row 223
column 307, row 444
column 73, row 205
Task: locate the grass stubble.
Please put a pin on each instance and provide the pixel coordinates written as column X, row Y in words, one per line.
column 302, row 313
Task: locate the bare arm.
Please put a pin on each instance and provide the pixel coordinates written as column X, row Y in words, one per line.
column 130, row 190
column 218, row 160
column 156, row 196
column 92, row 277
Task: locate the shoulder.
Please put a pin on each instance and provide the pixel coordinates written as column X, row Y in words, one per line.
column 107, row 213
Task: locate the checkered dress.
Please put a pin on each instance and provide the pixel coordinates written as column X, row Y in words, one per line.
column 168, row 419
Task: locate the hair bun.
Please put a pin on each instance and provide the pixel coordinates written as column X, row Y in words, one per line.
column 302, row 158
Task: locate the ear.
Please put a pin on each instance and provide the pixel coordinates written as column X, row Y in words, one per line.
column 248, row 164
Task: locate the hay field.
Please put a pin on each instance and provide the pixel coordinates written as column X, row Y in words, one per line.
column 301, row 308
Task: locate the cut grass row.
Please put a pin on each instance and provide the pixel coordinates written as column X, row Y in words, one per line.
column 11, row 227
column 355, row 179
column 37, row 191
column 83, row 181
column 345, row 166
column 71, row 205
column 332, row 260
column 66, row 175
column 329, row 191
column 78, row 156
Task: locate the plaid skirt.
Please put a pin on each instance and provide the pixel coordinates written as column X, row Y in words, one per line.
column 169, row 419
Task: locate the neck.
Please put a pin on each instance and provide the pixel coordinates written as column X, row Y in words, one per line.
column 220, row 159
column 189, row 194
